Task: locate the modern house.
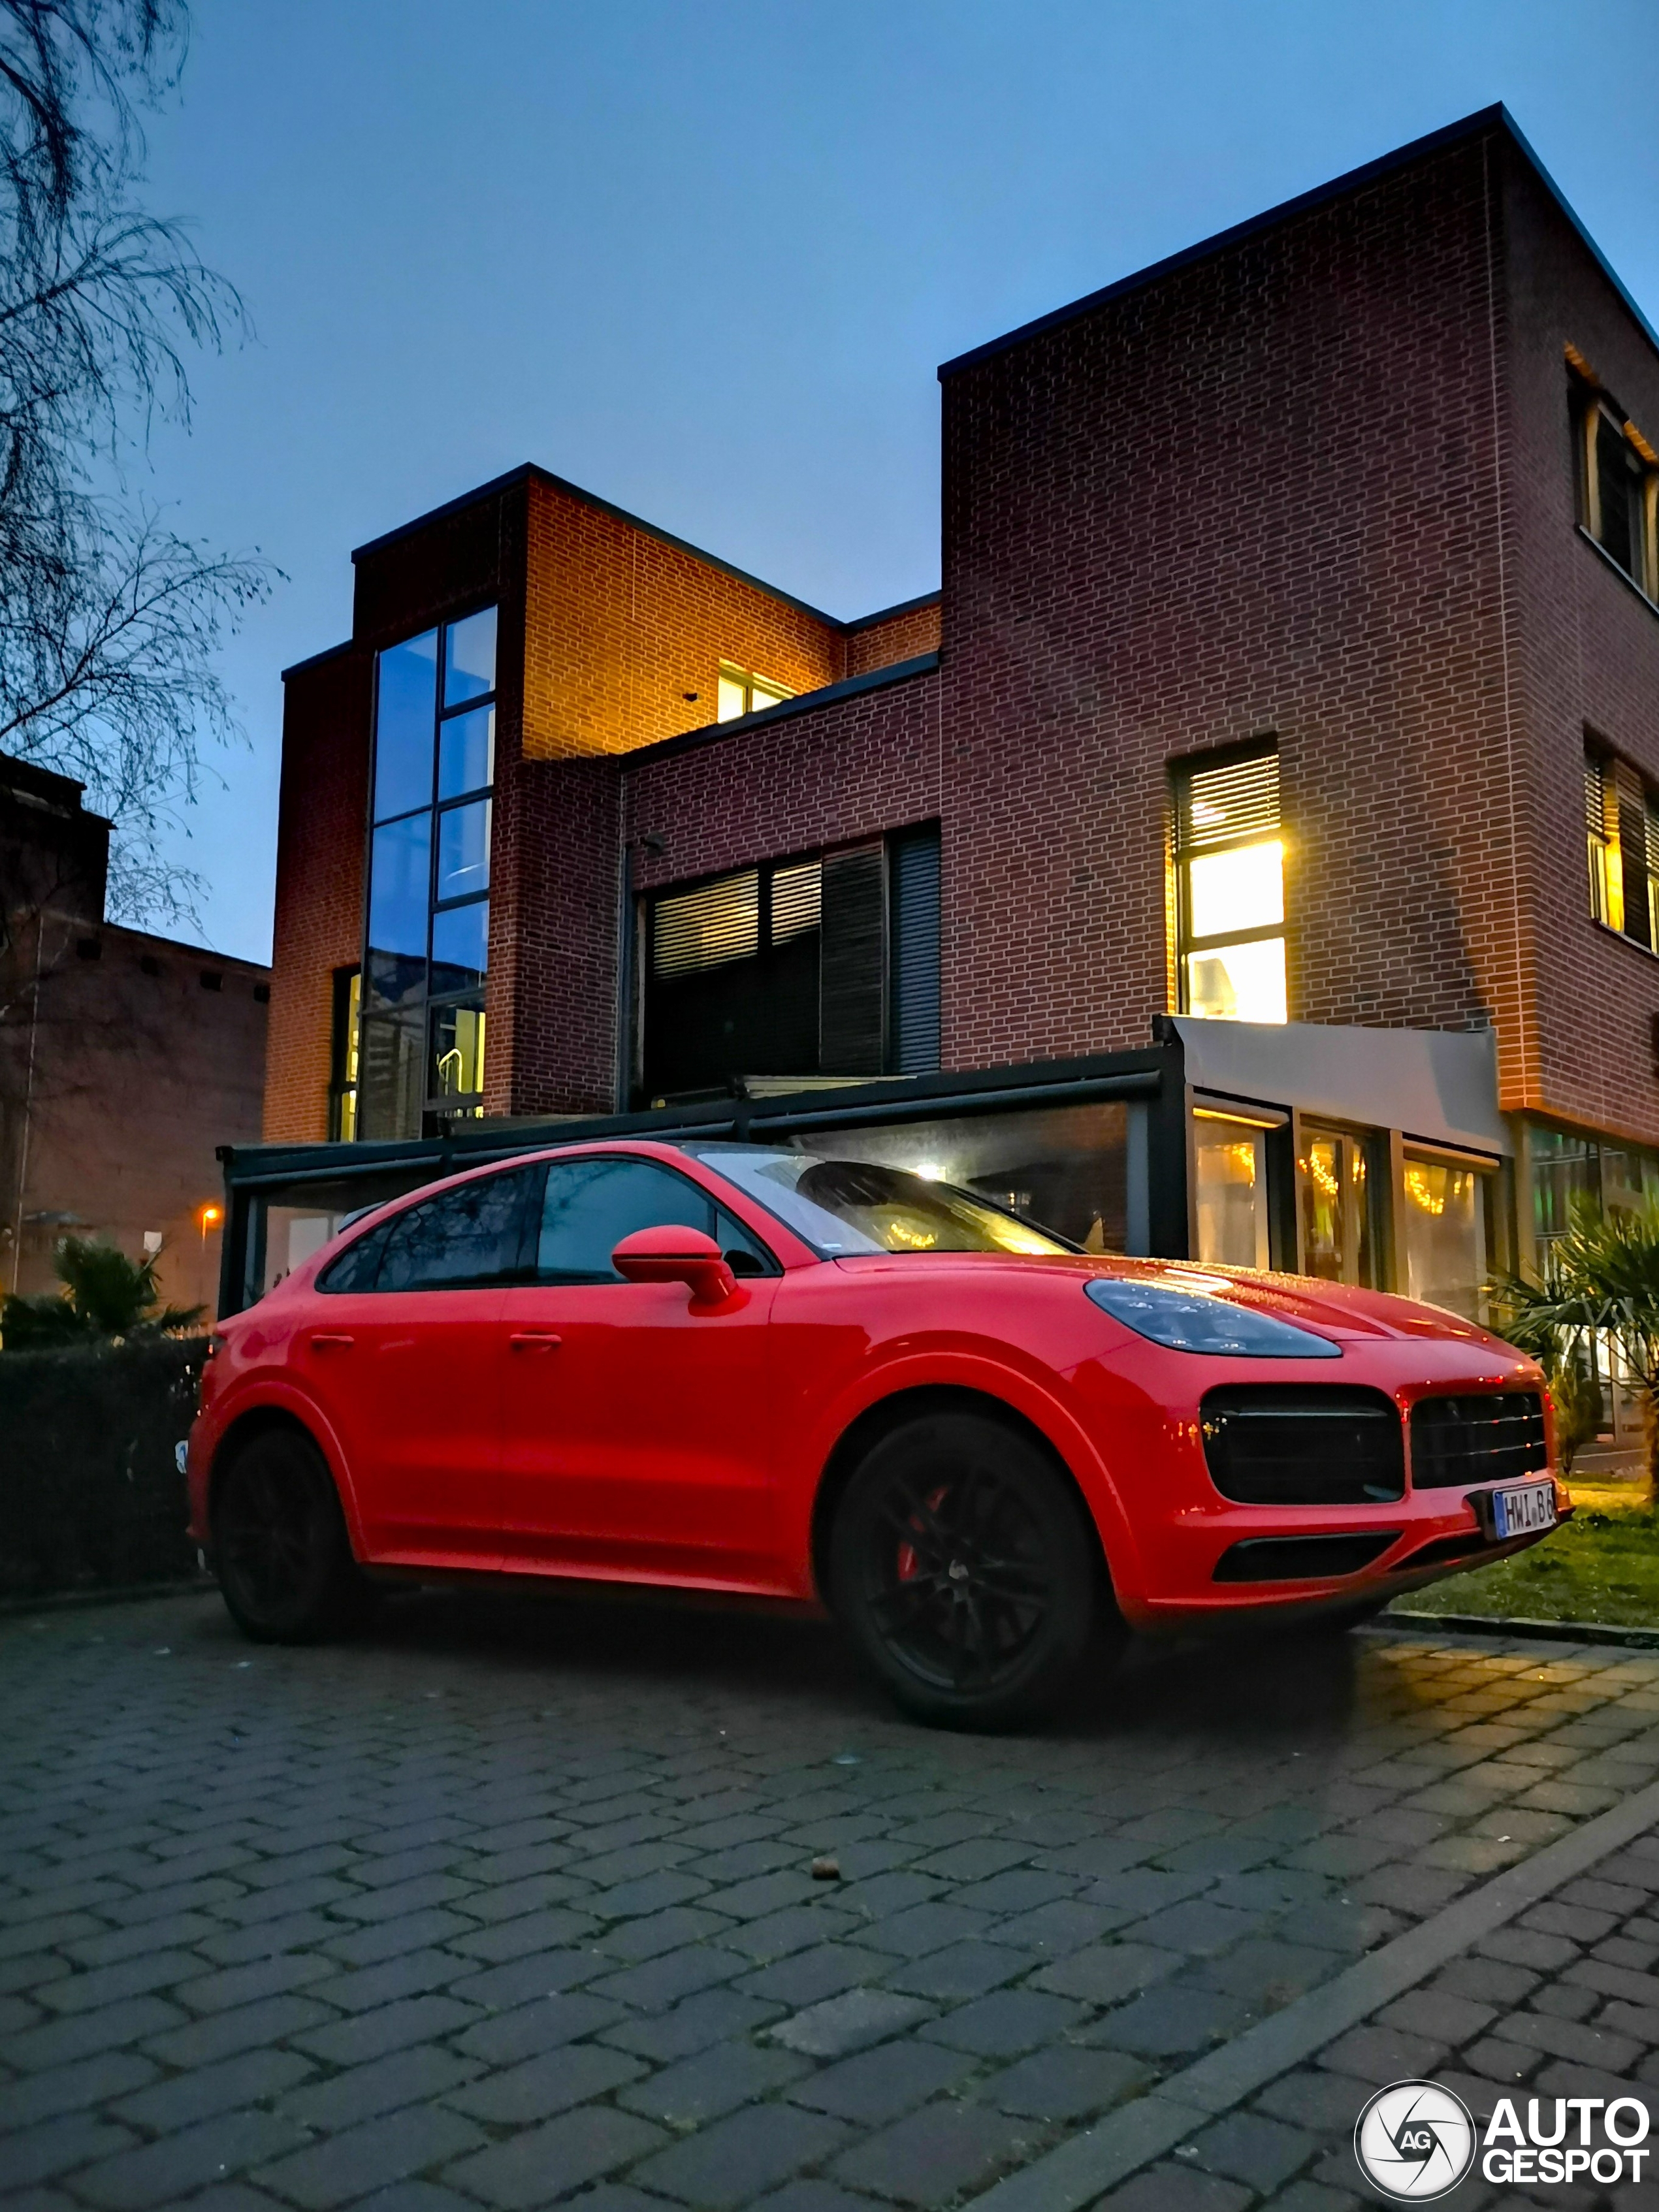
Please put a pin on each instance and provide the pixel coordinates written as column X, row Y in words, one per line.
column 126, row 1060
column 1248, row 852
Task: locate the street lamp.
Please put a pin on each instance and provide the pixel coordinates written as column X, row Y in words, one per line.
column 208, row 1216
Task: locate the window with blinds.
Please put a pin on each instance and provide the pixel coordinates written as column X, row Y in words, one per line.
column 1230, row 887
column 1596, row 813
column 825, row 965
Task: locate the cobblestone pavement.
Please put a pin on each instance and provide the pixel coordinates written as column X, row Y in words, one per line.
column 511, row 1902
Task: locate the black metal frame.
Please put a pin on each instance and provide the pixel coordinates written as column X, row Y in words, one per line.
column 1155, row 1075
column 433, row 808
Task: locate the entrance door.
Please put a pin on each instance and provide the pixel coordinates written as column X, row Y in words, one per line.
column 407, row 1359
column 637, row 1435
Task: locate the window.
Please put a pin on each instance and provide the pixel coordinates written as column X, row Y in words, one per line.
column 426, row 938
column 589, row 1206
column 1230, row 1173
column 1618, row 482
column 343, row 1056
column 1621, row 822
column 1338, row 1242
column 476, row 1236
column 1601, row 886
column 741, row 691
column 1229, row 869
column 822, row 965
column 855, row 1205
column 1445, row 1232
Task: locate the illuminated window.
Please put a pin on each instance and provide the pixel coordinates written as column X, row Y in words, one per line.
column 1338, row 1240
column 426, row 935
column 1229, row 862
column 1230, row 1175
column 1445, row 1233
column 1622, row 825
column 1618, row 487
column 742, row 692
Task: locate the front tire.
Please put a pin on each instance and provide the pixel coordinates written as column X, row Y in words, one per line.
column 280, row 1545
column 964, row 1569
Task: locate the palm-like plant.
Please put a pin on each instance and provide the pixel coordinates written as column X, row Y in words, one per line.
column 1602, row 1278
column 107, row 1297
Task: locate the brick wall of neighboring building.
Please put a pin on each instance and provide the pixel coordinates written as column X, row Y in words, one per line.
column 1584, row 650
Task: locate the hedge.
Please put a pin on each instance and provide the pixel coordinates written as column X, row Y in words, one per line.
column 90, row 1492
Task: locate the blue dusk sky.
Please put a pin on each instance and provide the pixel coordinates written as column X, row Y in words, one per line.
column 703, row 256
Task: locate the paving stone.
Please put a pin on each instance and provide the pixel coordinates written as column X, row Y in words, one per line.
column 923, row 1929
column 849, row 2022
column 741, row 2157
column 877, row 2086
column 961, row 1970
column 664, row 1981
column 1172, row 2188
column 1052, row 1931
column 539, row 2165
column 81, row 2085
column 243, row 2028
column 162, row 2173
column 820, row 1972
column 714, row 2016
column 1106, row 1971
column 937, row 2153
column 542, row 1974
column 352, row 2042
column 542, row 2025
column 1249, row 2147
column 551, row 2082
column 717, row 2080
column 248, row 2078
column 346, row 2167
column 1065, row 2083
column 795, row 2197
column 1009, row 2021
column 1167, row 2022
column 57, row 2145
column 410, row 2076
column 59, row 2042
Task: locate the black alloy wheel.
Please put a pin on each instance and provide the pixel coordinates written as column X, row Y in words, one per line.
column 965, row 1567
column 280, row 1545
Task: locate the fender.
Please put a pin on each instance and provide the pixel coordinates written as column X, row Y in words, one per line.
column 974, row 1367
column 271, row 1394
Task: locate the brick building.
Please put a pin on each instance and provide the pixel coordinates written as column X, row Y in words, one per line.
column 1296, row 662
column 126, row 1060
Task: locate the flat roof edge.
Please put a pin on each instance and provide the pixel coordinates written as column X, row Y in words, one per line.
column 804, row 702
column 889, row 614
column 529, row 472
column 316, row 659
column 1402, row 157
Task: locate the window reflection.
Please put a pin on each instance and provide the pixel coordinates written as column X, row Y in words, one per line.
column 405, row 693
column 1445, row 1235
column 1232, row 1192
column 463, row 850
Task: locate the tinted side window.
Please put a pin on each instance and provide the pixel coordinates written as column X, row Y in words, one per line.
column 359, row 1264
column 471, row 1238
column 590, row 1206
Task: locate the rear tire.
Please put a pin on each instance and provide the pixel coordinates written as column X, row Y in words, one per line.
column 964, row 1569
column 280, row 1545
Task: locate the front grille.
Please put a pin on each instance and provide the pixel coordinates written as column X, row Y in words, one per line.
column 1491, row 1437
column 1308, row 1444
column 1301, row 1559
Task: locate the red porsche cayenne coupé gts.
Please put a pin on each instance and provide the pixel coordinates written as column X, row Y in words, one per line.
column 733, row 1367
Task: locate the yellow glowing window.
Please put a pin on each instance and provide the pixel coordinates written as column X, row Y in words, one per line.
column 1230, row 861
column 741, row 691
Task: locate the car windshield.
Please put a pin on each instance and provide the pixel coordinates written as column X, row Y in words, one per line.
column 846, row 1206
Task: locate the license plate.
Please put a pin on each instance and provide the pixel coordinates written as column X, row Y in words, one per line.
column 1523, row 1512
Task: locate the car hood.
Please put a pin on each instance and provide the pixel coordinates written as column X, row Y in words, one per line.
column 1340, row 1310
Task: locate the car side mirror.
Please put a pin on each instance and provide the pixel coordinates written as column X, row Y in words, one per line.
column 677, row 1255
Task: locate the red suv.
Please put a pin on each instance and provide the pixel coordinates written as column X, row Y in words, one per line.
column 734, row 1368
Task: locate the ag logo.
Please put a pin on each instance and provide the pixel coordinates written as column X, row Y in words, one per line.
column 1414, row 2140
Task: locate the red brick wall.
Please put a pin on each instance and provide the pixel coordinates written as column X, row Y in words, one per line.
column 1256, row 495
column 901, row 636
column 1584, row 653
column 321, row 813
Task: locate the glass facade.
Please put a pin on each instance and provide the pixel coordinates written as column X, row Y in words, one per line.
column 420, row 1058
column 1445, row 1234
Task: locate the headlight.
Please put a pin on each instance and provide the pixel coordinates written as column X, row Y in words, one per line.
column 1191, row 1321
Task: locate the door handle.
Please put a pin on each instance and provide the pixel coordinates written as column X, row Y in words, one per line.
column 322, row 1342
column 535, row 1339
